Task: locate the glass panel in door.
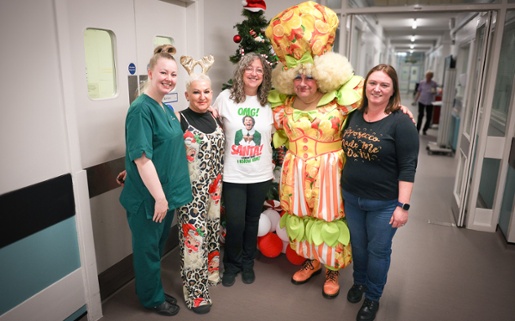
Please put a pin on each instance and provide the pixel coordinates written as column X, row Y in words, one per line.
column 504, row 81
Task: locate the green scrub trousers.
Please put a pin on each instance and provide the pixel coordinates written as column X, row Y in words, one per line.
column 148, row 241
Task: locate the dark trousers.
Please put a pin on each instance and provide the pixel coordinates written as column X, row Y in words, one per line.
column 243, row 207
column 428, row 109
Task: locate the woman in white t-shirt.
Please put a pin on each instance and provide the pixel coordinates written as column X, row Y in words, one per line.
column 248, row 168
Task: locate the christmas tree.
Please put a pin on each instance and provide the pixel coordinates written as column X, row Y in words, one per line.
column 251, row 35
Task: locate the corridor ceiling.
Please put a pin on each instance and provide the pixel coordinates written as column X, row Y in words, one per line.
column 432, row 28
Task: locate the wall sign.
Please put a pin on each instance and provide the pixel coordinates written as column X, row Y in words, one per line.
column 132, row 68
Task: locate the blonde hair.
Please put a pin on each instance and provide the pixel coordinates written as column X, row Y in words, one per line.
column 330, row 71
column 194, row 77
column 162, row 51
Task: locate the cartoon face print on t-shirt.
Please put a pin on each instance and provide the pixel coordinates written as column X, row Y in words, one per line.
column 247, row 140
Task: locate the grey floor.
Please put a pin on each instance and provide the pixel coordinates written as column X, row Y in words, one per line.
column 438, row 272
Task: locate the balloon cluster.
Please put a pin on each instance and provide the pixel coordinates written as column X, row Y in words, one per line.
column 272, row 238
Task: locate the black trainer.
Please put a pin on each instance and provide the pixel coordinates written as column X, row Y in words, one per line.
column 170, row 299
column 355, row 293
column 368, row 310
column 248, row 276
column 166, row 308
column 228, row 279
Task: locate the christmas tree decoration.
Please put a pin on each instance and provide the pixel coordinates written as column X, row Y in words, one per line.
column 254, row 5
column 236, row 38
column 256, row 36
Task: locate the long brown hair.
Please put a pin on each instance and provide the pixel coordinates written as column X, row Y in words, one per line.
column 395, row 100
column 238, row 87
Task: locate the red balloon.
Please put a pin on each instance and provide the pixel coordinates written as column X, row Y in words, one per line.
column 270, row 245
column 236, row 38
column 293, row 257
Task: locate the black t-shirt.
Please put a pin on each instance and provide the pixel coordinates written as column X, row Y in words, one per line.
column 379, row 155
column 205, row 122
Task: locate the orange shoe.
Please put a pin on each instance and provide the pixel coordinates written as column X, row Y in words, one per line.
column 308, row 270
column 331, row 285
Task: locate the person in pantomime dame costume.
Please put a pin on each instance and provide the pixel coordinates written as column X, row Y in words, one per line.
column 315, row 90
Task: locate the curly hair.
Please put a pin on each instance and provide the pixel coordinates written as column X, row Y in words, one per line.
column 395, row 100
column 238, row 88
column 330, row 70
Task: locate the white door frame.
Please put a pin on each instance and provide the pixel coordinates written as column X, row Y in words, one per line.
column 467, row 143
column 484, row 219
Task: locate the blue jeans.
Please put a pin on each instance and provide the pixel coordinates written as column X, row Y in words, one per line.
column 371, row 239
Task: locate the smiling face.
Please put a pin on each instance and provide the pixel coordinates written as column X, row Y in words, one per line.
column 200, row 95
column 253, row 77
column 162, row 77
column 379, row 89
column 305, row 87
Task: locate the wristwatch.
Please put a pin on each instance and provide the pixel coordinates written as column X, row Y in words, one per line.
column 404, row 206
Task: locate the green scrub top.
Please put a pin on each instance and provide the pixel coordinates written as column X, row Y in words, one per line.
column 155, row 131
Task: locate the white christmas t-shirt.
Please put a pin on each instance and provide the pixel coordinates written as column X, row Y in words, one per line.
column 248, row 132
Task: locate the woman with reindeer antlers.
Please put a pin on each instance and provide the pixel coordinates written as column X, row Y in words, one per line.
column 199, row 220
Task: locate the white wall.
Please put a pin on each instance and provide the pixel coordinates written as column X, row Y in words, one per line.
column 32, row 123
column 435, row 59
column 371, row 46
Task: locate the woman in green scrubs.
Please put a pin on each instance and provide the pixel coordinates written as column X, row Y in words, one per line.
column 157, row 180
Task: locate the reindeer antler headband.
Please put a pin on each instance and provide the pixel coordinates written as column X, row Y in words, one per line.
column 205, row 63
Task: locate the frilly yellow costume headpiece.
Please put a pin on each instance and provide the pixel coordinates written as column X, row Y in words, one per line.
column 302, row 37
column 301, row 32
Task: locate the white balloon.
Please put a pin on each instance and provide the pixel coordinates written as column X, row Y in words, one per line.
column 285, row 246
column 281, row 232
column 274, row 217
column 264, row 225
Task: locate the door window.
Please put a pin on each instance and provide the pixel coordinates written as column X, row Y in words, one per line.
column 161, row 40
column 100, row 66
column 504, row 81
